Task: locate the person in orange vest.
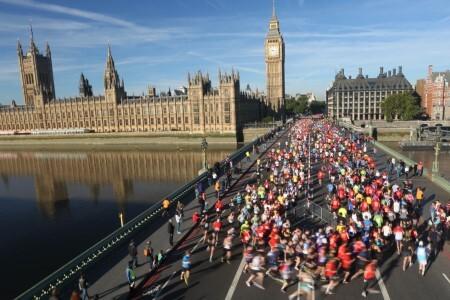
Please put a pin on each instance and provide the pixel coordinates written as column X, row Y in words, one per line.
column 369, row 278
column 165, row 205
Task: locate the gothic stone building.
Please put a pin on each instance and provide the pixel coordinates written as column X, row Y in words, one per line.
column 360, row 98
column 203, row 109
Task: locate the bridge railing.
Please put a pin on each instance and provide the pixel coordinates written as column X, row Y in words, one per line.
column 68, row 272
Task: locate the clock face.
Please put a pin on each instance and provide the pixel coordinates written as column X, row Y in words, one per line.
column 273, row 50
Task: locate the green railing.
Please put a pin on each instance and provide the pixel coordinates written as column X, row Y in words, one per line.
column 66, row 274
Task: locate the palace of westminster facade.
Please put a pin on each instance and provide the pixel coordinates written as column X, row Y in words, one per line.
column 201, row 109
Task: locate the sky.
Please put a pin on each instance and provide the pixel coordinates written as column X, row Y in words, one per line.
column 158, row 42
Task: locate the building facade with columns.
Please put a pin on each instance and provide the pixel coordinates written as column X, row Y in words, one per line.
column 360, row 98
column 435, row 94
column 201, row 109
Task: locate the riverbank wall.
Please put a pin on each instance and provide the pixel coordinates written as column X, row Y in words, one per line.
column 120, row 141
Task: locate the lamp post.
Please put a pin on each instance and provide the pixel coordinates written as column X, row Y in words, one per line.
column 204, row 147
column 435, row 169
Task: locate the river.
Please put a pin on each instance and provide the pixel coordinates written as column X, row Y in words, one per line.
column 54, row 205
column 427, row 157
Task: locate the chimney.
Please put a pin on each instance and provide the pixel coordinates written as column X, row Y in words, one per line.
column 430, row 70
column 359, row 71
column 381, row 70
column 400, row 70
column 394, row 72
column 389, row 73
column 350, row 77
column 367, row 76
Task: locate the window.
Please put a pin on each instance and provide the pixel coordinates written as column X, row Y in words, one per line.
column 165, row 120
column 179, row 120
column 196, row 120
column 227, row 119
column 226, row 106
column 172, row 120
column 159, row 121
column 195, row 108
column 186, row 120
column 151, row 121
column 164, row 110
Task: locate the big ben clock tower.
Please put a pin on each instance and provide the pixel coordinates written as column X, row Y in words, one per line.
column 274, row 53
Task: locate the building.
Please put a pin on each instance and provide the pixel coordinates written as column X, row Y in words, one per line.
column 435, row 94
column 201, row 108
column 310, row 96
column 360, row 98
column 274, row 56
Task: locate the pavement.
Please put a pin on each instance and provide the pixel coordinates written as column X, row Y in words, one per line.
column 218, row 280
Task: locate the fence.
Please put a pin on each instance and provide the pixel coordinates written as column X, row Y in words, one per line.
column 309, row 210
column 66, row 274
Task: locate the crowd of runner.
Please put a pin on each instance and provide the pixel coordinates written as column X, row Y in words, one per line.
column 373, row 212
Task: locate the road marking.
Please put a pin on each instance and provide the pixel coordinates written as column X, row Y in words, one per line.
column 446, row 278
column 383, row 289
column 164, row 285
column 196, row 245
column 235, row 282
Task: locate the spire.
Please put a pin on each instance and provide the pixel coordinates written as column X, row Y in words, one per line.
column 19, row 48
column 48, row 53
column 31, row 33
column 109, row 59
column 32, row 45
column 274, row 15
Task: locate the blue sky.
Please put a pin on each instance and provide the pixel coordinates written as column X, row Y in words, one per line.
column 157, row 42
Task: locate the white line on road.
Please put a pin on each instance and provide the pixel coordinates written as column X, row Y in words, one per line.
column 446, row 278
column 383, row 289
column 235, row 282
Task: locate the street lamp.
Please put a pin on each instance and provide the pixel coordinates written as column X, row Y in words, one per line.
column 204, row 147
column 435, row 169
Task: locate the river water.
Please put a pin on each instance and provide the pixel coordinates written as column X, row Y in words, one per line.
column 54, row 205
column 427, row 157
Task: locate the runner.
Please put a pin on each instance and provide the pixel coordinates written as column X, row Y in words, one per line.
column 186, row 268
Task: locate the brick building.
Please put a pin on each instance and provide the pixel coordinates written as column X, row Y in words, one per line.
column 435, row 94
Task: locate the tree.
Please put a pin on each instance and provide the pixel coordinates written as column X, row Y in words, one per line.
column 297, row 105
column 403, row 106
column 317, row 107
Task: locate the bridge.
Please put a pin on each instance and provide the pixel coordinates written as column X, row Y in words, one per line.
column 104, row 263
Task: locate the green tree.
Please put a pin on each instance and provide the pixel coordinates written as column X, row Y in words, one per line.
column 317, row 107
column 403, row 106
column 297, row 105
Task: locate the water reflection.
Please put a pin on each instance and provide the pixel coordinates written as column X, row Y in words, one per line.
column 53, row 171
column 61, row 203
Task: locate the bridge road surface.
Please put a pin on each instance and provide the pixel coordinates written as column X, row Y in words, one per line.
column 108, row 279
column 217, row 280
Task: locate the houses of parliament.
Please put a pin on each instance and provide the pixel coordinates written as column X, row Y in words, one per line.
column 201, row 108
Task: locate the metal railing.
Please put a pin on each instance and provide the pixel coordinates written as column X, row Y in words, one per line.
column 66, row 274
column 310, row 210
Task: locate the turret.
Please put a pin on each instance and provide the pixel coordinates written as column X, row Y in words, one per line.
column 114, row 88
column 19, row 49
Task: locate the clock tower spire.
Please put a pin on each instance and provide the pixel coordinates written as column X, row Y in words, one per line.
column 274, row 57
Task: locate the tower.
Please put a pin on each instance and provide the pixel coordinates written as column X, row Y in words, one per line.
column 114, row 88
column 85, row 88
column 36, row 74
column 274, row 56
